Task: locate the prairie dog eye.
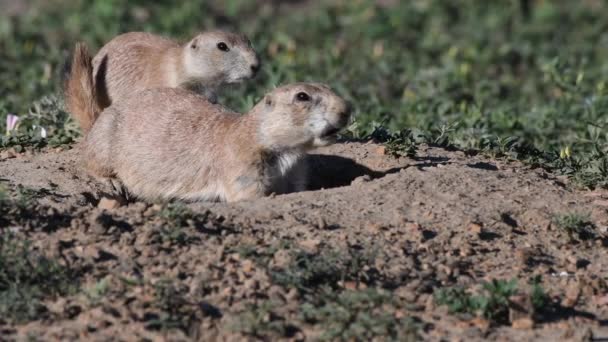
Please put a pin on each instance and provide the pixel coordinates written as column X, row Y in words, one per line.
column 222, row 46
column 302, row 96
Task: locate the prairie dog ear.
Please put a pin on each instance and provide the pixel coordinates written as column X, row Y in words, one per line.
column 194, row 43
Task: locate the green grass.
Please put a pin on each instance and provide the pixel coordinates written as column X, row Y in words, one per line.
column 177, row 218
column 350, row 315
column 174, row 311
column 492, row 302
column 360, row 311
column 27, row 278
column 576, row 225
column 485, row 76
column 260, row 320
column 359, row 315
column 310, row 273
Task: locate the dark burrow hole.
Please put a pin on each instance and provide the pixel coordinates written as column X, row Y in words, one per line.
column 329, row 171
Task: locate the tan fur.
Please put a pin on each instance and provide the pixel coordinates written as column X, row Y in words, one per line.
column 173, row 144
column 81, row 97
column 135, row 61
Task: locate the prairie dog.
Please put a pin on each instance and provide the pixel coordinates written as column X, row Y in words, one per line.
column 170, row 143
column 135, row 61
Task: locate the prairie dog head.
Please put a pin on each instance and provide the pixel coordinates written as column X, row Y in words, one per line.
column 300, row 115
column 219, row 57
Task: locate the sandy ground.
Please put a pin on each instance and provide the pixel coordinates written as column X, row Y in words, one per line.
column 440, row 219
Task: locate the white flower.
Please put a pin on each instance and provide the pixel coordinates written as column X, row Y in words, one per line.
column 11, row 123
column 42, row 131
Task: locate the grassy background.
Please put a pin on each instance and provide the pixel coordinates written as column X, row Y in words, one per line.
column 526, row 82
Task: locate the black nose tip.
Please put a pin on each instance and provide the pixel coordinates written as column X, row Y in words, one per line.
column 348, row 109
column 255, row 68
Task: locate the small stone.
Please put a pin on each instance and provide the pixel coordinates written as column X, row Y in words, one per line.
column 252, row 284
column 247, row 266
column 310, row 245
column 281, row 259
column 108, row 204
column 350, row 285
column 524, row 256
column 601, row 203
column 381, row 150
column 361, row 180
column 602, row 300
column 292, row 294
column 8, row 154
column 523, row 323
column 481, row 323
column 321, row 224
column 373, row 227
column 520, row 308
column 475, row 228
column 412, row 226
column 572, row 294
column 227, row 292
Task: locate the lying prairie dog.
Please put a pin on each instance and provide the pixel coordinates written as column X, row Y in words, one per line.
column 135, row 61
column 170, row 143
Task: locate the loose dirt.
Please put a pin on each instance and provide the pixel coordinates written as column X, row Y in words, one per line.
column 440, row 219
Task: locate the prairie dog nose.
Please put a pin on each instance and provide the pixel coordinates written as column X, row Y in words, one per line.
column 255, row 67
column 348, row 109
column 343, row 113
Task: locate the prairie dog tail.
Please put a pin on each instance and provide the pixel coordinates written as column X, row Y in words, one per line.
column 81, row 95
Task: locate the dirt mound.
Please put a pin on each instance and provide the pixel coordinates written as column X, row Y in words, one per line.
column 377, row 243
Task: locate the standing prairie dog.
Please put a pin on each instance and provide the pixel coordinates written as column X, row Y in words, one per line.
column 169, row 143
column 135, row 61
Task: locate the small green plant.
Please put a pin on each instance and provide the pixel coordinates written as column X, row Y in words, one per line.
column 308, row 272
column 495, row 304
column 492, row 303
column 261, row 255
column 96, row 293
column 261, row 321
column 539, row 297
column 456, row 299
column 25, row 197
column 3, row 195
column 399, row 144
column 27, row 278
column 576, row 225
column 174, row 310
column 176, row 214
column 358, row 315
column 177, row 217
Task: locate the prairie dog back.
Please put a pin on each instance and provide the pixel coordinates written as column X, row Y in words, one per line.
column 189, row 120
column 135, row 61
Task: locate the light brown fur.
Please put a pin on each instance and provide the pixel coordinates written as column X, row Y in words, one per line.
column 135, row 61
column 170, row 143
column 81, row 97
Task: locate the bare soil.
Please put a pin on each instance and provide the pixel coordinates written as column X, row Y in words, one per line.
column 441, row 219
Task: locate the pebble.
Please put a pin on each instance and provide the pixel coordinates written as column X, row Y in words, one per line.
column 572, row 294
column 475, row 228
column 523, row 323
column 108, row 204
column 310, row 245
column 8, row 154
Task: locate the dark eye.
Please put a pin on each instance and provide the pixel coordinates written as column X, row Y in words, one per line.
column 222, row 46
column 303, row 96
